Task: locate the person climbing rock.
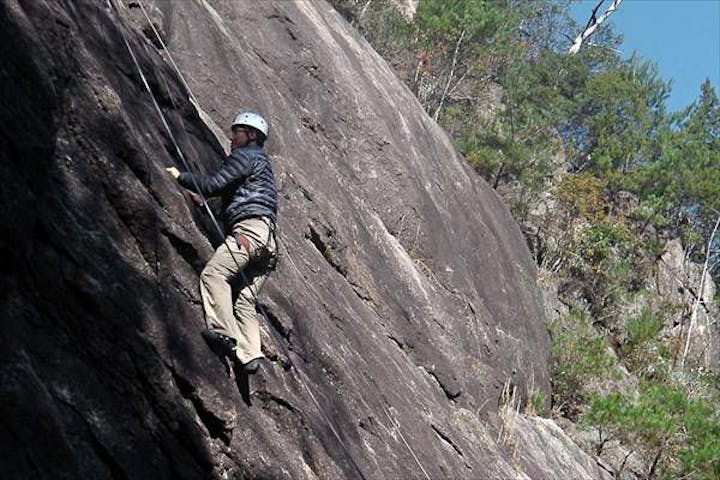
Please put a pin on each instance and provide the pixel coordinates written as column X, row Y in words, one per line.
column 246, row 184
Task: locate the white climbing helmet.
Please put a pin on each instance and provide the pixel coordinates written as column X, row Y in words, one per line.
column 251, row 119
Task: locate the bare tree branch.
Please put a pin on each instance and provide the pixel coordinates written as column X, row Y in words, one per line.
column 593, row 24
column 462, row 77
column 699, row 296
column 450, row 77
column 362, row 13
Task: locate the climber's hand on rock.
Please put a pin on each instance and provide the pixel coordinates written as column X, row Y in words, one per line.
column 174, row 172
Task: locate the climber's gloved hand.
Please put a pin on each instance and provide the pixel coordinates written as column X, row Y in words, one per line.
column 174, row 172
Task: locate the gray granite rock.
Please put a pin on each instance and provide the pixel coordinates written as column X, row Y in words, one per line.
column 405, row 297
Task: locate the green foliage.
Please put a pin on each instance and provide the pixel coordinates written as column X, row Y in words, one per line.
column 645, row 327
column 538, row 404
column 681, row 434
column 495, row 156
column 642, row 352
column 579, row 353
column 600, row 239
column 622, row 111
column 454, row 43
column 683, row 181
column 609, row 267
column 441, row 21
column 498, row 43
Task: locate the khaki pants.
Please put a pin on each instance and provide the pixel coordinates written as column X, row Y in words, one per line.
column 221, row 280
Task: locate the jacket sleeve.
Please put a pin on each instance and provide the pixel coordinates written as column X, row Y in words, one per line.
column 233, row 170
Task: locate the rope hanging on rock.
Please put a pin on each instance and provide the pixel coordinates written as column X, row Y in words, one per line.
column 111, row 4
column 278, row 341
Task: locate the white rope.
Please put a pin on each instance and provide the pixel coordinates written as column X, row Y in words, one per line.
column 396, row 425
column 394, row 422
column 217, row 226
column 165, row 49
column 166, row 125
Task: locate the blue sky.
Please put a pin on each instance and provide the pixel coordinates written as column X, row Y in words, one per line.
column 681, row 36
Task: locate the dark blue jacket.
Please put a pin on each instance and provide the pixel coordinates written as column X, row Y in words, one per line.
column 245, row 182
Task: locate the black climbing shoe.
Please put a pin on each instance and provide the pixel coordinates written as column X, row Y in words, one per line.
column 251, row 366
column 221, row 344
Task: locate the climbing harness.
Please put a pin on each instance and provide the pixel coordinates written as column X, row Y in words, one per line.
column 241, row 239
column 262, row 254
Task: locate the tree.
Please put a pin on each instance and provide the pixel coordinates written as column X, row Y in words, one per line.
column 452, row 39
column 679, row 435
column 620, row 115
column 685, row 173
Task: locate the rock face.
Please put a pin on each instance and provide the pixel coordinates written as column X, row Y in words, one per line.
column 680, row 282
column 405, row 298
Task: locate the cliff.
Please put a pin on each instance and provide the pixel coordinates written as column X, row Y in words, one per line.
column 404, row 306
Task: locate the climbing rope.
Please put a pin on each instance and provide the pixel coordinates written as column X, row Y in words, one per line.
column 278, row 341
column 113, row 6
column 170, row 57
column 393, row 421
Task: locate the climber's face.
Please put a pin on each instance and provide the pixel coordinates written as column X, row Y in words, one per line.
column 241, row 137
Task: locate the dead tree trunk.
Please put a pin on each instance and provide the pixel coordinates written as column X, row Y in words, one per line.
column 593, row 24
column 700, row 293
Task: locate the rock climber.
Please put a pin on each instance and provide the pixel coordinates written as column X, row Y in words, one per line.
column 246, row 184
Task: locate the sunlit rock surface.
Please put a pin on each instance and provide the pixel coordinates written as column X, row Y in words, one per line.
column 405, row 299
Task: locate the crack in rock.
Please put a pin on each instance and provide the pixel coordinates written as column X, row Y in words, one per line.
column 185, row 249
column 216, row 426
column 327, row 247
column 449, row 442
column 450, row 393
